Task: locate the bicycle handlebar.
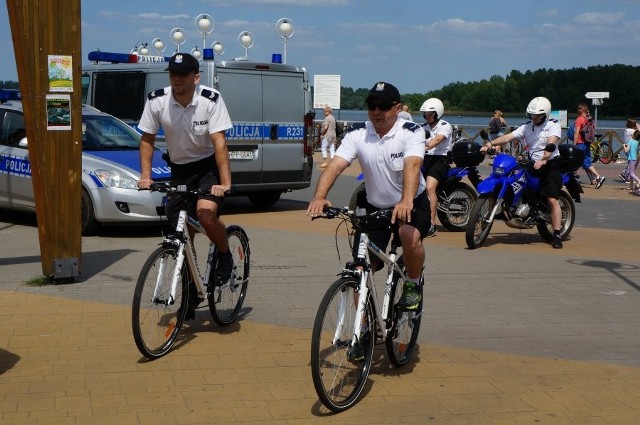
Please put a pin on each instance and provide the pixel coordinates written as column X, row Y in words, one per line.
column 165, row 187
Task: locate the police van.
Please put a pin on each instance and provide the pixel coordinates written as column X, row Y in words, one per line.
column 270, row 106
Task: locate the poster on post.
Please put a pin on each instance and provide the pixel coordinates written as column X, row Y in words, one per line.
column 58, row 112
column 60, row 73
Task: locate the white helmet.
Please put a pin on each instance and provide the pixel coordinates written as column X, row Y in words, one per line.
column 433, row 104
column 539, row 105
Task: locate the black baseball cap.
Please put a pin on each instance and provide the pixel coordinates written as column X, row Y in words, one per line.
column 386, row 92
column 183, row 63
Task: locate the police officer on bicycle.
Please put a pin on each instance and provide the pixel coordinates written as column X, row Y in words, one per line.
column 390, row 152
column 194, row 120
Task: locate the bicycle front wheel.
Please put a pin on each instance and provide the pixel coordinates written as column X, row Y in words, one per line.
column 156, row 316
column 226, row 298
column 339, row 370
column 405, row 326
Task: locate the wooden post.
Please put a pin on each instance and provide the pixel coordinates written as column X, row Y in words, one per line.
column 46, row 33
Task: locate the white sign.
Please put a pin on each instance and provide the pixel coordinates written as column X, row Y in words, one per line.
column 326, row 91
column 597, row 95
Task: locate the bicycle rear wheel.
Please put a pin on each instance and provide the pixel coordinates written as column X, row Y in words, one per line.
column 226, row 298
column 405, row 326
column 156, row 318
column 338, row 376
column 605, row 153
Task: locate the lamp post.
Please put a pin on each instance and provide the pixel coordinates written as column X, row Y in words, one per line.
column 204, row 26
column 217, row 47
column 144, row 49
column 245, row 38
column 178, row 37
column 285, row 29
column 196, row 53
column 158, row 45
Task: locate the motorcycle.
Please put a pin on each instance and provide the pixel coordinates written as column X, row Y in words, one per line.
column 455, row 197
column 511, row 194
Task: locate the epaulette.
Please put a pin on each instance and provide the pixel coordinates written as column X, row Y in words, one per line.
column 356, row 126
column 553, row 120
column 411, row 126
column 156, row 93
column 443, row 122
column 210, row 94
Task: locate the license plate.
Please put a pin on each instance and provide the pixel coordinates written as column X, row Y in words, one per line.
column 240, row 154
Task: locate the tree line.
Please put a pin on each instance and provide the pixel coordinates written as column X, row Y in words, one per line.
column 511, row 94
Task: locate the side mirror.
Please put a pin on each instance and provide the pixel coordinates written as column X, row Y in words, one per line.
column 23, row 143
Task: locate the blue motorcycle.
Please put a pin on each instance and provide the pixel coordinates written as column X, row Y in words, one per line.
column 510, row 193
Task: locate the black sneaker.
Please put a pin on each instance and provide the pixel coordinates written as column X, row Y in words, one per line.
column 224, row 267
column 432, row 231
column 599, row 181
column 556, row 243
column 356, row 353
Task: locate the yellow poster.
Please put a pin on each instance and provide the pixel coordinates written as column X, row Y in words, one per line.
column 60, row 73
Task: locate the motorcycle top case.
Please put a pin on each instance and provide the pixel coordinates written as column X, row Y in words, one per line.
column 571, row 158
column 467, row 154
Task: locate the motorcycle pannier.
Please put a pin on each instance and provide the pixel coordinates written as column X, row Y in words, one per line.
column 467, row 154
column 571, row 157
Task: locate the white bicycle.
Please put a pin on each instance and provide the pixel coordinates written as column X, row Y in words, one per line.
column 171, row 281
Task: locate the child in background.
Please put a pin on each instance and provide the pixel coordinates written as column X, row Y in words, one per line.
column 631, row 127
column 631, row 149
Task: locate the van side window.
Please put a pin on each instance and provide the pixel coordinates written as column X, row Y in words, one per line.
column 12, row 130
column 120, row 93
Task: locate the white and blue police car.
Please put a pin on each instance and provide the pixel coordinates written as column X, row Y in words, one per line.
column 110, row 168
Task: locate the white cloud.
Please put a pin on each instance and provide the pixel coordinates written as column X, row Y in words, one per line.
column 593, row 18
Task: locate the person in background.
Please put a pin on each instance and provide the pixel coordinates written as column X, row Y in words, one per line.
column 436, row 163
column 578, row 140
column 631, row 149
column 631, row 127
column 328, row 134
column 404, row 113
column 497, row 124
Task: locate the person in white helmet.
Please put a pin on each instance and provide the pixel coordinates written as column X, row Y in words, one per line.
column 436, row 163
column 537, row 133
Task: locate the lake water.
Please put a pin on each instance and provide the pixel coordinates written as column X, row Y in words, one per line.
column 468, row 120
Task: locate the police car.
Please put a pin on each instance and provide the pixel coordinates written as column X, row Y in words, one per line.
column 110, row 168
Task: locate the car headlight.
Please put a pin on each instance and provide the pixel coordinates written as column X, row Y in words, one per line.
column 112, row 178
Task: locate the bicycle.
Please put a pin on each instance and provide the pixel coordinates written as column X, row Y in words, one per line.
column 350, row 319
column 168, row 285
column 600, row 151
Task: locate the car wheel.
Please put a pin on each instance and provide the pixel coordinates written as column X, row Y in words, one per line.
column 265, row 199
column 89, row 223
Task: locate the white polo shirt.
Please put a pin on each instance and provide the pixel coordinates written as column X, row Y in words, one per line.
column 187, row 129
column 537, row 136
column 444, row 128
column 382, row 159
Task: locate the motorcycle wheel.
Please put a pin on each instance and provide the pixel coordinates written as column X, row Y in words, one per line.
column 457, row 206
column 568, row 209
column 478, row 228
column 353, row 202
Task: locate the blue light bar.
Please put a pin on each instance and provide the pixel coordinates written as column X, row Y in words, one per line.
column 98, row 56
column 9, row 94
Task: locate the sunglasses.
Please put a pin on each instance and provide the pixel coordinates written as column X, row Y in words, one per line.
column 383, row 106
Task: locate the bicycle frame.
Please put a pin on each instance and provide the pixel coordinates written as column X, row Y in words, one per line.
column 367, row 285
column 185, row 249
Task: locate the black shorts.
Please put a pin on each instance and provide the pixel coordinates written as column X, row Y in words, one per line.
column 436, row 166
column 550, row 176
column 379, row 231
column 199, row 174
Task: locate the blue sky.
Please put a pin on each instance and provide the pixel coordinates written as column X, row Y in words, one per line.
column 418, row 45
